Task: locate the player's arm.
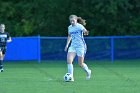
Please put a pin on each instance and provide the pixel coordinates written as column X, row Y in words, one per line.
column 86, row 32
column 9, row 39
column 68, row 41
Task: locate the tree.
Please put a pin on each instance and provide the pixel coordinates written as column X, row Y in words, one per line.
column 50, row 17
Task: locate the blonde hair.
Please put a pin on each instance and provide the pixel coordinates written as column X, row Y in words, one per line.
column 79, row 19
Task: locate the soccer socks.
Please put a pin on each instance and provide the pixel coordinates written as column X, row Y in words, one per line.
column 1, row 64
column 85, row 67
column 87, row 70
column 70, row 69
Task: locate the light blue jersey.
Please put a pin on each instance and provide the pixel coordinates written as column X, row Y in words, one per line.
column 76, row 33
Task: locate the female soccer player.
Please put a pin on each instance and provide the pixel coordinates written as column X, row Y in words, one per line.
column 4, row 38
column 78, row 45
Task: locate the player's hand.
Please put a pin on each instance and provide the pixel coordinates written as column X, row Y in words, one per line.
column 86, row 32
column 66, row 49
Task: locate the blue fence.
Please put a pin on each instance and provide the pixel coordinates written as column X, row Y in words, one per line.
column 23, row 48
column 52, row 48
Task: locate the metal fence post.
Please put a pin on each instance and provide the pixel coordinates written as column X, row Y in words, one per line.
column 112, row 49
column 39, row 53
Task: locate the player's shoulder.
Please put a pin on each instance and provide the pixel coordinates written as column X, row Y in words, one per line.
column 79, row 25
column 6, row 33
column 69, row 26
column 3, row 33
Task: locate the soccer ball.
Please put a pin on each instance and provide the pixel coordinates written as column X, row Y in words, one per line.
column 67, row 77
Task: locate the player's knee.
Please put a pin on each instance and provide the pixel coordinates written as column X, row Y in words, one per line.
column 80, row 64
column 1, row 55
column 69, row 61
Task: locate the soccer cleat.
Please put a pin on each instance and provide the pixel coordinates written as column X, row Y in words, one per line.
column 72, row 79
column 1, row 70
column 88, row 75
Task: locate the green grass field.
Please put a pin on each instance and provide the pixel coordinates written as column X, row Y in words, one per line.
column 47, row 77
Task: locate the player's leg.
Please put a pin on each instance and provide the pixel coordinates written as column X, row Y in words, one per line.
column 70, row 57
column 2, row 54
column 1, row 61
column 81, row 55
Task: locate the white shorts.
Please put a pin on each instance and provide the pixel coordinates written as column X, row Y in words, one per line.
column 79, row 51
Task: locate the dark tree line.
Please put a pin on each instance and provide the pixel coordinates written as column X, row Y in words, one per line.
column 50, row 17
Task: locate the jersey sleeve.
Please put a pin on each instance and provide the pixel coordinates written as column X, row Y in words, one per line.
column 82, row 27
column 8, row 35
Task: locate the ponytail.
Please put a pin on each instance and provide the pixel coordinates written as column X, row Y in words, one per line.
column 81, row 21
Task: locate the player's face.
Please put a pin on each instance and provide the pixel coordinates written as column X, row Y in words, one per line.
column 2, row 28
column 73, row 21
